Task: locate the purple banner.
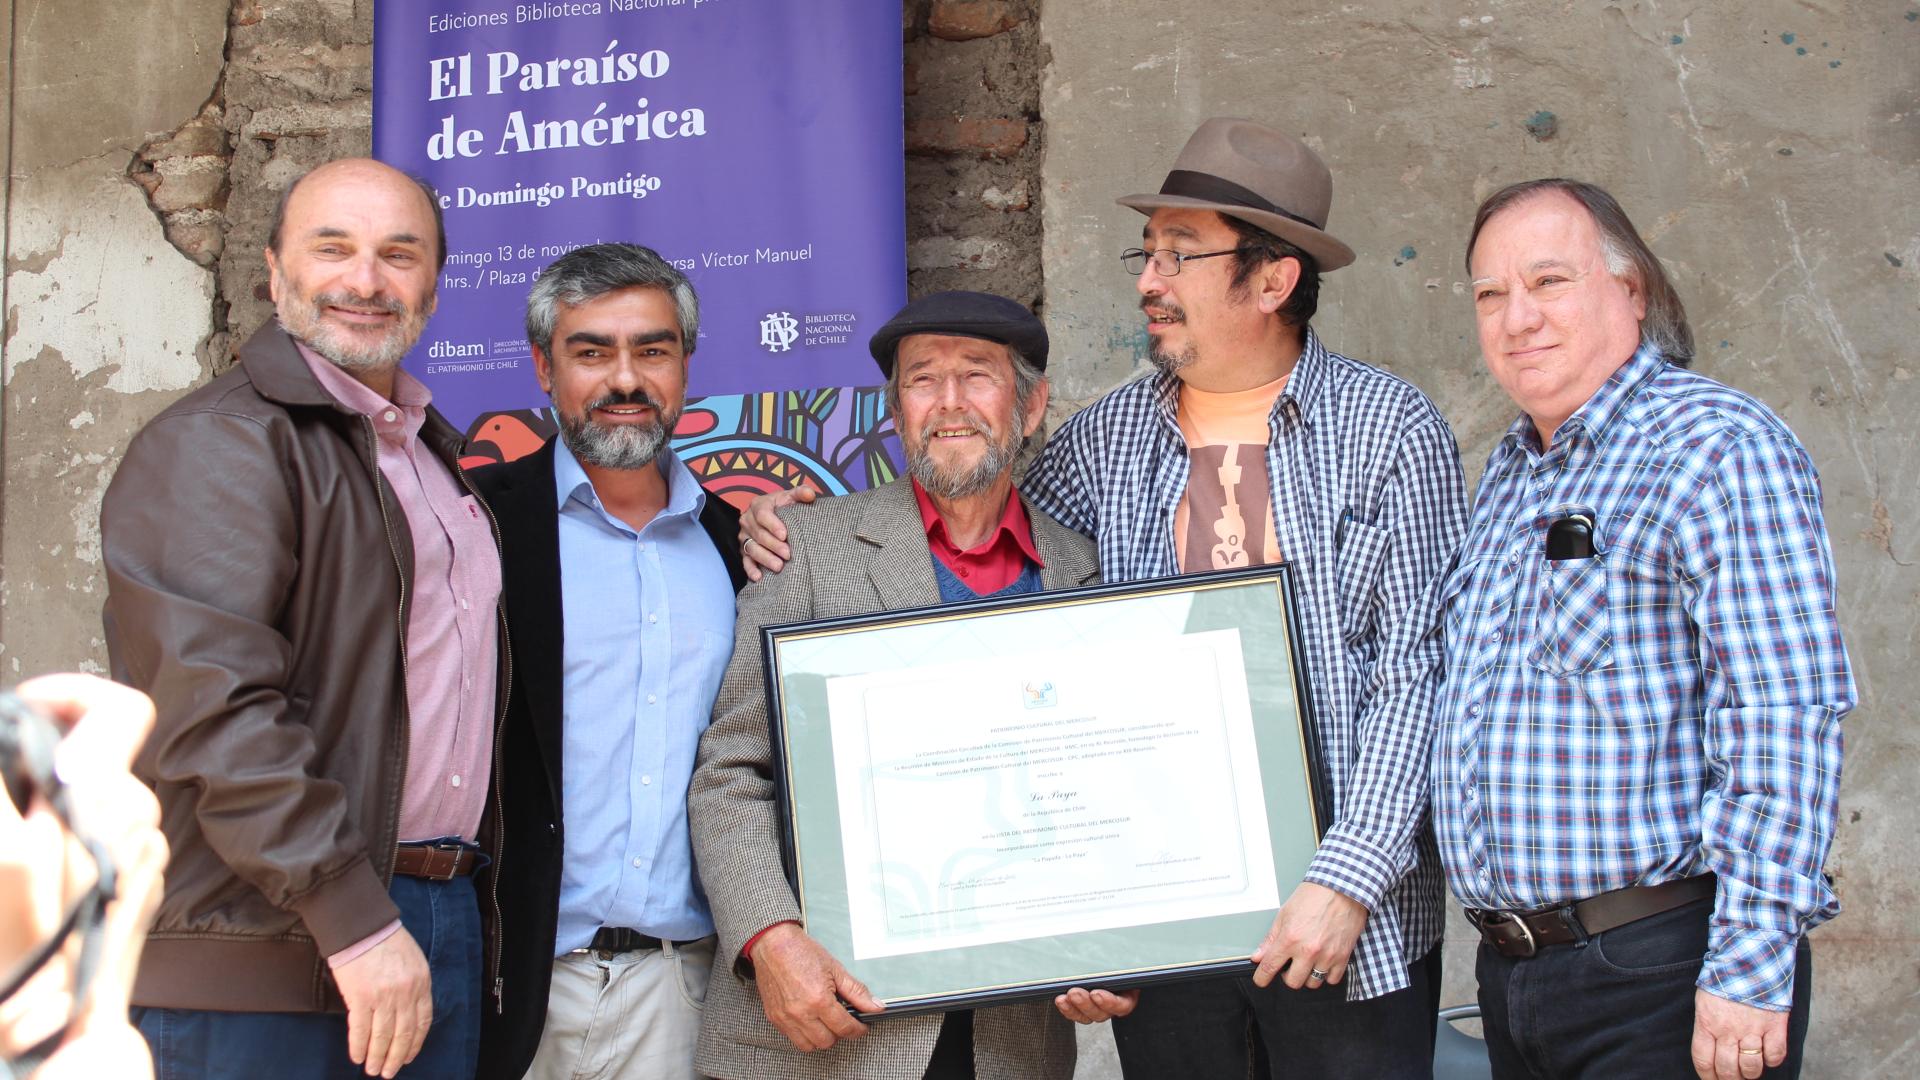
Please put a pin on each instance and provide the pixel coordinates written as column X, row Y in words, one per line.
column 756, row 144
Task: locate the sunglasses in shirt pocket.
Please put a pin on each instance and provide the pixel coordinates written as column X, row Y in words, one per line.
column 1573, row 633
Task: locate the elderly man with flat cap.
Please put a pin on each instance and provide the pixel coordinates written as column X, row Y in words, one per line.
column 1254, row 443
column 966, row 386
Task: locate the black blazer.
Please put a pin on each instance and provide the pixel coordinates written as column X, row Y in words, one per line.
column 526, row 881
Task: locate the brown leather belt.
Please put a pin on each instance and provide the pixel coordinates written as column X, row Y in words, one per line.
column 442, row 862
column 1523, row 933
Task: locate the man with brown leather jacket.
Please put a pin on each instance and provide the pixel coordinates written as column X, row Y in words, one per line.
column 300, row 576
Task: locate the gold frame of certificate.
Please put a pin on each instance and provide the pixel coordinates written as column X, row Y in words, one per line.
column 997, row 800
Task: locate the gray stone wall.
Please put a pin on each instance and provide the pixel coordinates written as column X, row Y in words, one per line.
column 1771, row 153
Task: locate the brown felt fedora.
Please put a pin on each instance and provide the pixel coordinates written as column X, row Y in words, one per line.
column 1259, row 175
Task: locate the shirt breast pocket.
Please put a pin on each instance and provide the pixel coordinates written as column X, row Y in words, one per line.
column 476, row 571
column 1357, row 567
column 1574, row 631
column 700, row 658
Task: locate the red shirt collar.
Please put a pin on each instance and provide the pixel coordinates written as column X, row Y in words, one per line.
column 997, row 561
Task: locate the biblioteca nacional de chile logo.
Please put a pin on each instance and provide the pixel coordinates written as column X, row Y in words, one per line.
column 780, row 331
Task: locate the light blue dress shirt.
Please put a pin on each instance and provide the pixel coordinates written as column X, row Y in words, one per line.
column 649, row 630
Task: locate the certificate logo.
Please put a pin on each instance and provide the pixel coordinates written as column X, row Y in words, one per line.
column 1039, row 694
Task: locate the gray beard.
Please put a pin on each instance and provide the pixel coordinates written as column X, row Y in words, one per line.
column 960, row 483
column 628, row 446
column 300, row 318
column 1171, row 363
column 349, row 358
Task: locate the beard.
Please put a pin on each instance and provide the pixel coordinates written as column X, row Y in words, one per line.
column 616, row 446
column 959, row 481
column 1167, row 360
column 303, row 317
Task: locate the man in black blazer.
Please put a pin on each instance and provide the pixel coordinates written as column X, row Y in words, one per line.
column 619, row 576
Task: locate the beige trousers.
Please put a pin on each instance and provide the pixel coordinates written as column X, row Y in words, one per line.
column 631, row 1016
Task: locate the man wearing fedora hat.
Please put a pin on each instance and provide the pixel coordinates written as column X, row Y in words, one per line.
column 1254, row 443
column 966, row 386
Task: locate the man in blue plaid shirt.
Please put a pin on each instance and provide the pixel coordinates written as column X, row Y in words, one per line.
column 1254, row 443
column 1637, row 774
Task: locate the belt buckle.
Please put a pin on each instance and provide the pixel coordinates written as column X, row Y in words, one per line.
column 1527, row 941
column 452, row 847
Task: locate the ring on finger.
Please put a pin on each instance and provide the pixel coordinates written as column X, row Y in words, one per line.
column 1316, row 974
column 1744, row 1052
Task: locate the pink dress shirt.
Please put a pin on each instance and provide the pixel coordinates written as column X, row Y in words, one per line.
column 452, row 629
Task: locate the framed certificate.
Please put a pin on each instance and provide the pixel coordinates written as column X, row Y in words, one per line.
column 1001, row 799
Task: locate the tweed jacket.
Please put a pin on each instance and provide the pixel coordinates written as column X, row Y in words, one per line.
column 853, row 555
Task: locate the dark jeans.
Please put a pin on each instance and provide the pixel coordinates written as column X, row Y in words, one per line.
column 1231, row 1029
column 1618, row 1008
column 444, row 919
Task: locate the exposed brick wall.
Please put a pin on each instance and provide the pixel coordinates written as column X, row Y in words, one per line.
column 297, row 91
column 185, row 177
column 974, row 141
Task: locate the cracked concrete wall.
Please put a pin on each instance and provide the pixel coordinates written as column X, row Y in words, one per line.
column 1771, row 151
column 105, row 320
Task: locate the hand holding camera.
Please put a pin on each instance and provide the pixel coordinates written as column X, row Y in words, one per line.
column 81, row 859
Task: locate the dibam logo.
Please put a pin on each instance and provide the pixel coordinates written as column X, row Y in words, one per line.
column 778, row 331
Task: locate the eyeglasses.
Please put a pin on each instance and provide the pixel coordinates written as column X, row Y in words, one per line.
column 1166, row 261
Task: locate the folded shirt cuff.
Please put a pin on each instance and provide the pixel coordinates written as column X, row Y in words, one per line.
column 1752, row 967
column 1353, row 868
column 360, row 948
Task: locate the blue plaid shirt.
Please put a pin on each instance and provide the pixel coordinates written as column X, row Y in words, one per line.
column 1345, row 438
column 1667, row 707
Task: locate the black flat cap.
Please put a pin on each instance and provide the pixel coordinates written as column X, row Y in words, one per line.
column 964, row 314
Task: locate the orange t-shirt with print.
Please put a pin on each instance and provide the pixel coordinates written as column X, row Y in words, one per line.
column 1225, row 519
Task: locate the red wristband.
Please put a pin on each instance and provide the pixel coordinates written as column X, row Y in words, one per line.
column 746, row 951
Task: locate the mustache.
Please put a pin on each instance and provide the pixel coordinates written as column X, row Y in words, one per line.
column 972, row 420
column 632, row 397
column 388, row 304
column 1162, row 306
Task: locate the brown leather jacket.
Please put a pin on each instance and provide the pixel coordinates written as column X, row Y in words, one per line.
column 257, row 587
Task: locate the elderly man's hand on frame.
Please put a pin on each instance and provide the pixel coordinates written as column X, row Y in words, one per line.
column 802, row 989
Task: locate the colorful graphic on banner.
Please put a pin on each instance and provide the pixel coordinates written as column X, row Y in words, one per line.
column 741, row 445
column 708, row 130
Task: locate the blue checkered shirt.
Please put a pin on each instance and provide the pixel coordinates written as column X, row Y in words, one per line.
column 1344, row 437
column 1669, row 706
